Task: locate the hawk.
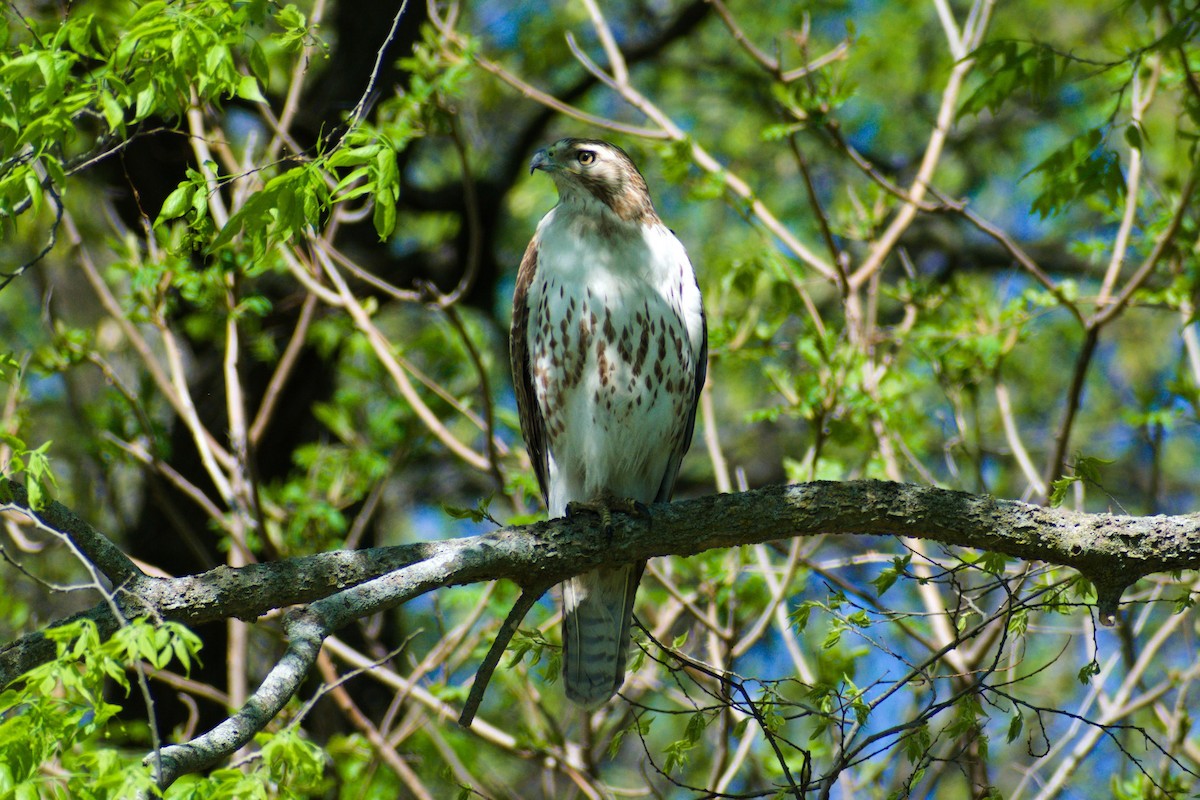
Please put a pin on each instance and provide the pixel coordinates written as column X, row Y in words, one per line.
column 609, row 352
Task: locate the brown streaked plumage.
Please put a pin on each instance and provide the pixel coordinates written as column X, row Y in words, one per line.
column 608, row 355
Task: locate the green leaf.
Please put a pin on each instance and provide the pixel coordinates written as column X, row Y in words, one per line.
column 1058, row 489
column 1088, row 467
column 1081, row 168
column 697, row 723
column 352, row 156
column 258, row 63
column 247, row 89
column 384, row 217
column 37, row 469
column 801, row 615
column 216, row 58
column 480, row 513
column 177, row 202
column 885, row 579
column 1134, row 135
column 1015, row 726
column 148, row 12
column 114, row 115
column 146, row 100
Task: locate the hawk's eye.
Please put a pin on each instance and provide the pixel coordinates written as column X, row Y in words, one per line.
column 586, row 157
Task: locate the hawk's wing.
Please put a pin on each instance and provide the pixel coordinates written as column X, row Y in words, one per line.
column 532, row 425
column 668, row 482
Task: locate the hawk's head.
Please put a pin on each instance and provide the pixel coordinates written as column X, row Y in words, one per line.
column 587, row 171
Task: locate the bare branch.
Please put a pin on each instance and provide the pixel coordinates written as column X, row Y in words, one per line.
column 1013, row 435
column 360, row 108
column 1112, row 551
column 503, row 637
column 1140, row 99
column 1164, row 241
column 882, row 247
column 283, row 370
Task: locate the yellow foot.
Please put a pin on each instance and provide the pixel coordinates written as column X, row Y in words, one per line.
column 604, row 505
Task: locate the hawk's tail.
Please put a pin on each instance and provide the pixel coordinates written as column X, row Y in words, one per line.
column 597, row 612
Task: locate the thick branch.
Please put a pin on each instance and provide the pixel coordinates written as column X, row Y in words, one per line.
column 305, row 637
column 306, row 632
column 222, row 593
column 1112, row 551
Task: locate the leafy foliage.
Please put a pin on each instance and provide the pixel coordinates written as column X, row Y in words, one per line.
column 54, row 722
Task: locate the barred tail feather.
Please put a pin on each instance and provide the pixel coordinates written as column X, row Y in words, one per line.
column 597, row 613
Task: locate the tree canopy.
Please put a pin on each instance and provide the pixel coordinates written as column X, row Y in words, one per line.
column 269, row 526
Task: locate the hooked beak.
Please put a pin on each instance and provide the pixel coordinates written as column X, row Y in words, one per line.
column 541, row 160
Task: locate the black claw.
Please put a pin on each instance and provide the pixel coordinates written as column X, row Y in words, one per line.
column 641, row 509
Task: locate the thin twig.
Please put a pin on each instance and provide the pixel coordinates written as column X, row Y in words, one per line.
column 141, row 454
column 383, row 351
column 204, row 160
column 8, row 277
column 445, row 28
column 773, row 65
column 712, row 439
column 360, row 108
column 1008, row 419
column 403, row 295
column 765, row 61
column 814, row 202
column 882, row 246
column 133, row 336
column 1054, row 465
column 1164, row 241
column 1140, row 99
column 504, row 635
column 283, row 371
column 1018, row 254
column 474, row 223
column 485, row 393
column 360, row 720
column 282, row 125
column 616, row 61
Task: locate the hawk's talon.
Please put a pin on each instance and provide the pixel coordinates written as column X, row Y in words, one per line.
column 595, row 507
column 604, row 506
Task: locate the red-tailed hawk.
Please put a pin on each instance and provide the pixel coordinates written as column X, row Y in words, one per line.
column 609, row 352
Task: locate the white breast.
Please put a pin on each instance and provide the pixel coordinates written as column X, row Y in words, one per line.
column 615, row 333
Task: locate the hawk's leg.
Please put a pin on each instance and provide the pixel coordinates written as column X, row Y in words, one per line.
column 604, row 505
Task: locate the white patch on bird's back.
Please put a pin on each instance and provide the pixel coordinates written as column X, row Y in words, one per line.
column 615, row 333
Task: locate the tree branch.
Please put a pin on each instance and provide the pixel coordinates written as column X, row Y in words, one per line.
column 503, row 636
column 1111, row 551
